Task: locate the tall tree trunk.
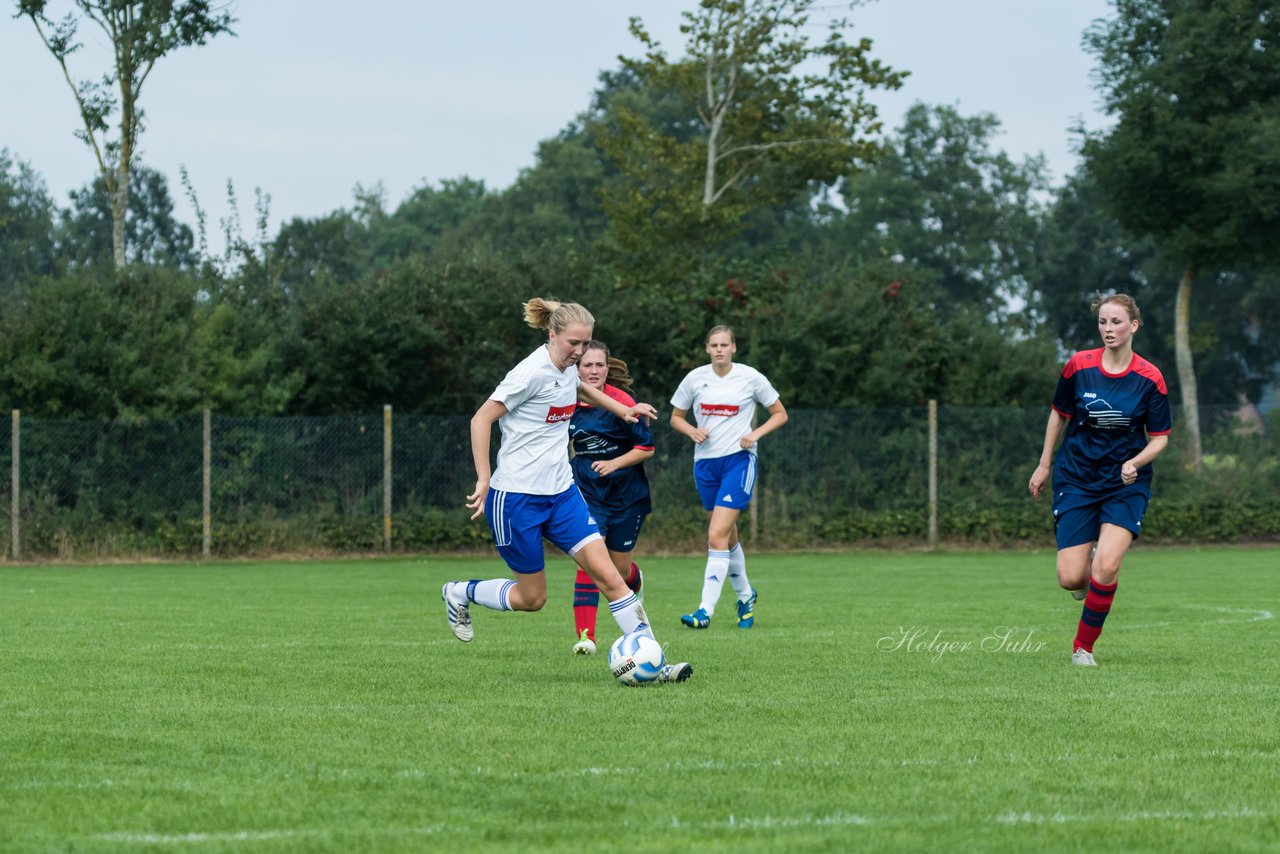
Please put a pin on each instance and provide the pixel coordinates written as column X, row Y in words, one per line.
column 1186, row 371
column 119, row 207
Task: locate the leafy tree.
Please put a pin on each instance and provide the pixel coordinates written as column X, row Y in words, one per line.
column 1192, row 160
column 100, row 344
column 746, row 120
column 964, row 216
column 140, row 33
column 26, row 223
column 152, row 234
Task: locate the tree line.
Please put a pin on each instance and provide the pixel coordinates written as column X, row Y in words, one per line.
column 858, row 268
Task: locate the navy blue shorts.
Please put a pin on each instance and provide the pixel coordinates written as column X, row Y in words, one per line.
column 620, row 530
column 1078, row 519
column 726, row 481
column 519, row 521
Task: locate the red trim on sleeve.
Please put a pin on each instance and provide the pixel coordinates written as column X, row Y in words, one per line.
column 1145, row 369
column 1059, row 411
column 619, row 395
column 643, row 447
column 1081, row 360
column 1159, row 432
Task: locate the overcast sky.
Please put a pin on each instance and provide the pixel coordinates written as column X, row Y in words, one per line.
column 311, row 98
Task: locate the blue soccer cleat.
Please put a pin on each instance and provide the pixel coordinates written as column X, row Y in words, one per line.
column 699, row 619
column 747, row 611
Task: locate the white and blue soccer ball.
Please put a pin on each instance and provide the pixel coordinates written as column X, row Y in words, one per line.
column 636, row 659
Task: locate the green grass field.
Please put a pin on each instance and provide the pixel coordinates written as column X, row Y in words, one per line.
column 326, row 706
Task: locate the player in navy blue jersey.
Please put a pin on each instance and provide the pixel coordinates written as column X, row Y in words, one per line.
column 1114, row 407
column 531, row 494
column 608, row 466
column 722, row 397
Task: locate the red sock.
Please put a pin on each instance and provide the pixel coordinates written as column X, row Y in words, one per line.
column 586, row 599
column 633, row 578
column 1097, row 604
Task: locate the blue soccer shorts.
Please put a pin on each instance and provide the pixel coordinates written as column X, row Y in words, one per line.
column 520, row 521
column 1078, row 519
column 726, row 481
column 620, row 530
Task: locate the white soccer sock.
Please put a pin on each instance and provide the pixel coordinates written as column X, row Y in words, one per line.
column 493, row 593
column 738, row 573
column 713, row 579
column 630, row 615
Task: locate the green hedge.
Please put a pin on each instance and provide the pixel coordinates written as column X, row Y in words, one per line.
column 1017, row 524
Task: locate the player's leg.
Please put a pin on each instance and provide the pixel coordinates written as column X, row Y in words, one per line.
column 620, row 534
column 621, row 537
column 515, row 520
column 586, row 601
column 1077, row 524
column 706, row 477
column 586, row 598
column 721, row 524
column 571, row 529
column 1121, row 522
column 1076, row 521
column 742, row 473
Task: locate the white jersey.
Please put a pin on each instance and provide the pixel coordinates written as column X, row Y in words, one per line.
column 540, row 399
column 723, row 406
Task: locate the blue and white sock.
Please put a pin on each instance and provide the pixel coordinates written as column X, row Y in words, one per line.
column 630, row 615
column 738, row 573
column 494, row 593
column 713, row 579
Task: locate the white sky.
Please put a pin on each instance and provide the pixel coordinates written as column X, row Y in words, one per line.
column 311, row 98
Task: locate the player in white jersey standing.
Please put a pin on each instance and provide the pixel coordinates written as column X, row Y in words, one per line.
column 532, row 494
column 723, row 397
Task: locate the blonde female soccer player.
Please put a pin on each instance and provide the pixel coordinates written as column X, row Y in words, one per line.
column 531, row 494
column 722, row 396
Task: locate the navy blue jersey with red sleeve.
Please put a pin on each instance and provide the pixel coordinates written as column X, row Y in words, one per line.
column 598, row 434
column 1109, row 417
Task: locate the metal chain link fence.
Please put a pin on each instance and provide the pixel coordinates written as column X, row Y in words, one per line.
column 90, row 490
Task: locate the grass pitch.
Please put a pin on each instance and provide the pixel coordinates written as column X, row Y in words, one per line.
column 883, row 701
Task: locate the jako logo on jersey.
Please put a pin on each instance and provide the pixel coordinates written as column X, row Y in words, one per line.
column 560, row 413
column 726, row 410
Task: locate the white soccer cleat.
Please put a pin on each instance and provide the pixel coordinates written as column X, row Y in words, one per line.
column 459, row 615
column 585, row 645
column 1084, row 658
column 675, row 672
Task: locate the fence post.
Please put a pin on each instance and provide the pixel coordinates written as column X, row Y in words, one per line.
column 15, row 488
column 386, row 478
column 933, row 473
column 206, row 486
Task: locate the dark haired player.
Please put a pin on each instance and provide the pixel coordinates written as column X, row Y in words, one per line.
column 608, row 466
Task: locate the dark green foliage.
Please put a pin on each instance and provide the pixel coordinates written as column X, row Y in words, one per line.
column 100, row 344
column 27, row 238
column 1192, row 159
column 153, row 236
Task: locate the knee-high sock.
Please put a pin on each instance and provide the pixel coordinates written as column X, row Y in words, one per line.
column 713, row 579
column 586, row 599
column 738, row 573
column 630, row 615
column 634, row 578
column 1097, row 604
column 493, row 593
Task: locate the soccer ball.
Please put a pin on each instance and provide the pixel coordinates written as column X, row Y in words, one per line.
column 636, row 659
